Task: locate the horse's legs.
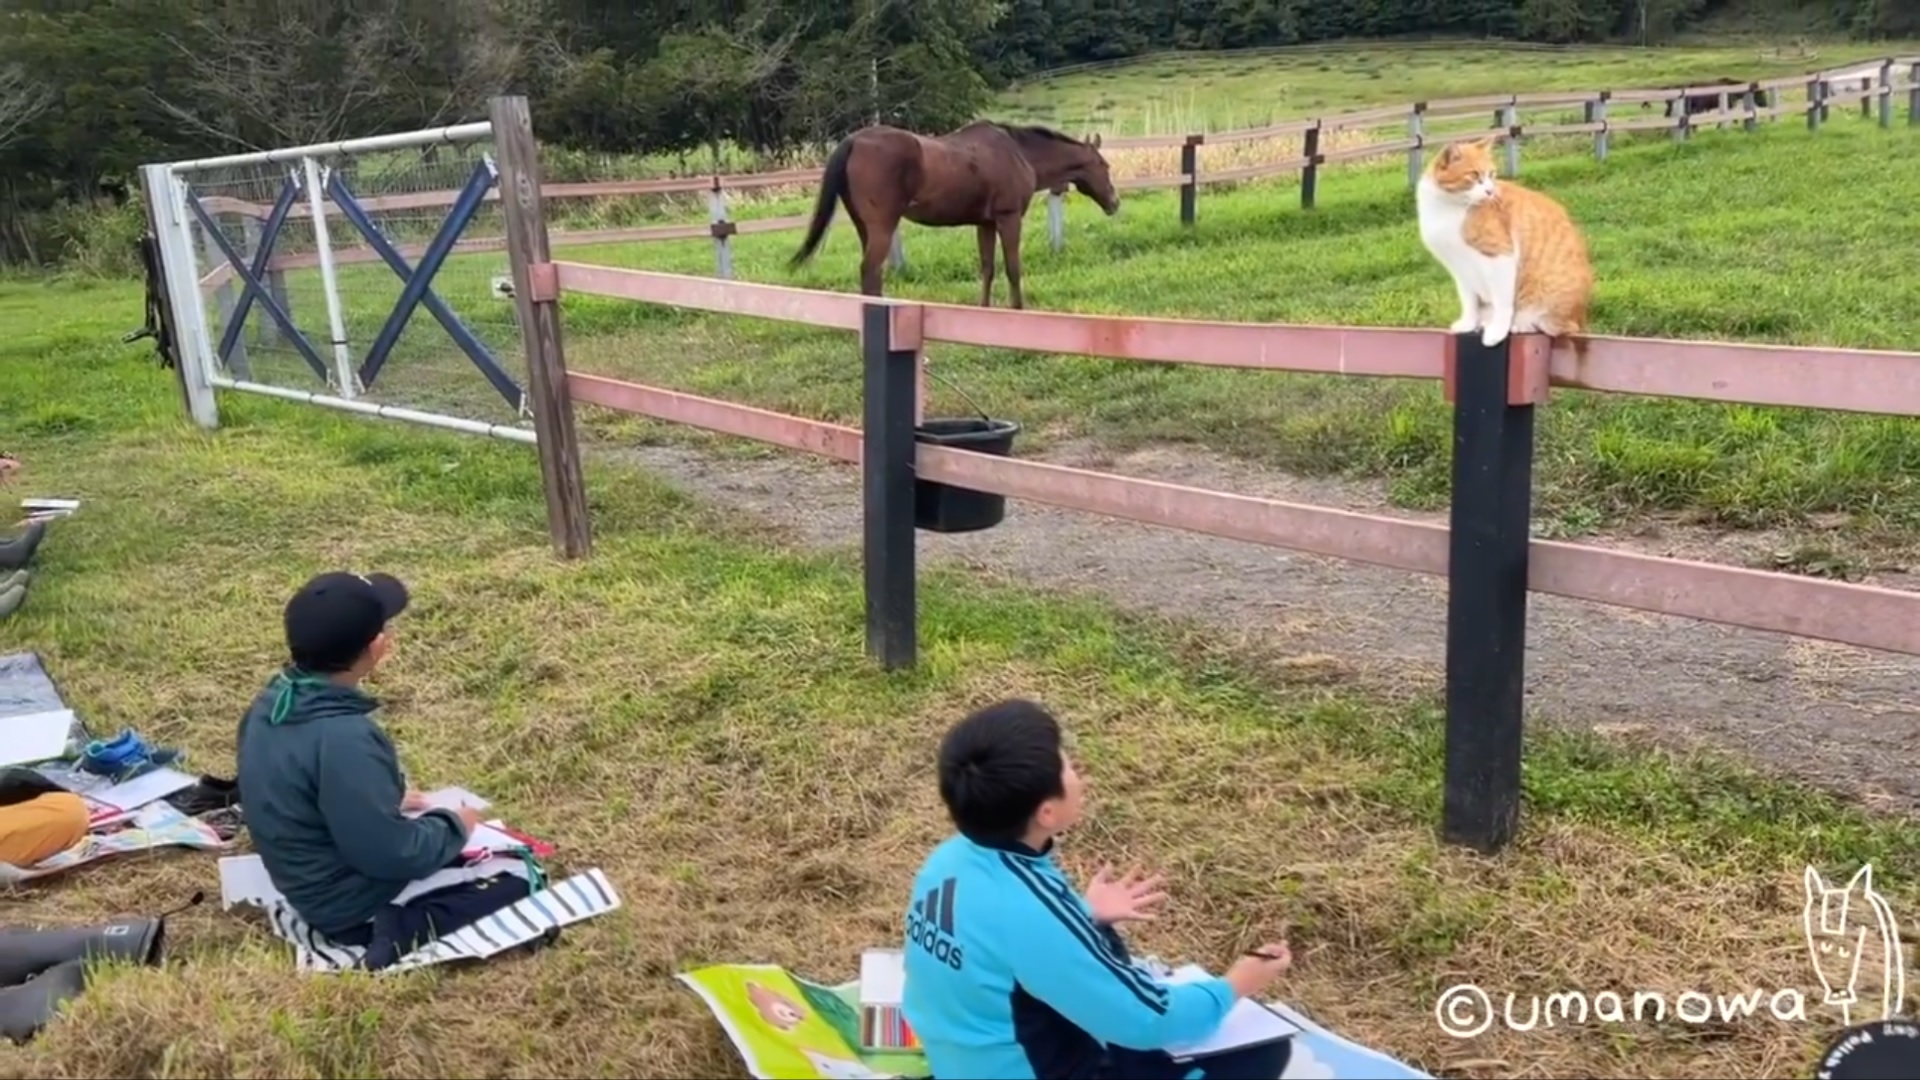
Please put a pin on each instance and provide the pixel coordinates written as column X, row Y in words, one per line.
column 986, row 266
column 1009, row 225
column 876, row 245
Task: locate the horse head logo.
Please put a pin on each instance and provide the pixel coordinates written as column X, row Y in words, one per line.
column 1842, row 925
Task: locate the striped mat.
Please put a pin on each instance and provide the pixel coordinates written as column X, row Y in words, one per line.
column 562, row 903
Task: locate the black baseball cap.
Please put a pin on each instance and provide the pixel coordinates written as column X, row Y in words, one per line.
column 334, row 618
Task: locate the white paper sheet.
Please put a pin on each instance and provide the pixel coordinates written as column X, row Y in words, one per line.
column 34, row 737
column 1248, row 1023
column 453, row 798
column 146, row 788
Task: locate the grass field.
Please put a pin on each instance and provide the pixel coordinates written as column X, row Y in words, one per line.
column 691, row 711
column 1779, row 236
column 1191, row 93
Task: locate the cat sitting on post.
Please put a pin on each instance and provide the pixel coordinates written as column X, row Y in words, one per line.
column 1518, row 261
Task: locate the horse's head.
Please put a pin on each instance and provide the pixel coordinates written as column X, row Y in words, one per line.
column 1090, row 177
column 1062, row 161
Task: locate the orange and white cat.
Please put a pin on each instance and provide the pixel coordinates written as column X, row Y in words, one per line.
column 1518, row 260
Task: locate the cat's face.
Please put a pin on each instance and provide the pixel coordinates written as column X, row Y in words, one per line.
column 1466, row 171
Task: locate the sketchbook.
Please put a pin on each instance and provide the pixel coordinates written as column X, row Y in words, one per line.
column 1249, row 1023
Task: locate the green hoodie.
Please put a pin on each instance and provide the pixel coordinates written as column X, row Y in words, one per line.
column 320, row 787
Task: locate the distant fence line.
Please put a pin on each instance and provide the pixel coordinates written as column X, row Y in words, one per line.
column 1353, row 136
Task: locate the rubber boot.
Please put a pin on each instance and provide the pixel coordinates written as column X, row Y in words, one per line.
column 17, row 552
column 27, row 1008
column 26, row 953
column 11, row 598
column 18, row 577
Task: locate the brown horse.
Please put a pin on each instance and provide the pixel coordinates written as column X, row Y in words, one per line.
column 984, row 175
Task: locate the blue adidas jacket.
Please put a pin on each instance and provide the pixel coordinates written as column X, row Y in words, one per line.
column 1009, row 978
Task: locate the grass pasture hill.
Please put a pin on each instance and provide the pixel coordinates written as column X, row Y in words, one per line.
column 690, row 710
column 1208, row 92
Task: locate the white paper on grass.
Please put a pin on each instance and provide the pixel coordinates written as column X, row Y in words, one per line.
column 149, row 787
column 32, row 737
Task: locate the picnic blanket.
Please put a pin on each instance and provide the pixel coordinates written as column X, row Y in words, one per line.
column 26, row 688
column 244, row 882
column 155, row 825
column 787, row 1028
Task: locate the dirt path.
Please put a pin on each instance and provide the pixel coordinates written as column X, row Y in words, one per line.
column 1834, row 716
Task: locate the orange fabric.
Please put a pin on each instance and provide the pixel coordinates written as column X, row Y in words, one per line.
column 41, row 827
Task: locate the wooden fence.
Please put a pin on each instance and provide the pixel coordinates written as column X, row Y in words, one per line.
column 1485, row 552
column 1361, row 135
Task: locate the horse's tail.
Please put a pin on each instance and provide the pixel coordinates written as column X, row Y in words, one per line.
column 833, row 188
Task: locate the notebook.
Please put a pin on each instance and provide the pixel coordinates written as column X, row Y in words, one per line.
column 1249, row 1023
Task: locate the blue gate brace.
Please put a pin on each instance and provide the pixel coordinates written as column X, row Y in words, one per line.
column 464, row 207
column 251, row 288
column 457, row 330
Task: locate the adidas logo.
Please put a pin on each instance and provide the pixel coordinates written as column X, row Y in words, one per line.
column 930, row 925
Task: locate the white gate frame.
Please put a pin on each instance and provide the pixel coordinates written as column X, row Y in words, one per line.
column 166, row 190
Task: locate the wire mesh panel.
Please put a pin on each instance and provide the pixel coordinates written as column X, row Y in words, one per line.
column 370, row 273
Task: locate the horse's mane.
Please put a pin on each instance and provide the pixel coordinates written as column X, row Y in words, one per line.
column 1035, row 131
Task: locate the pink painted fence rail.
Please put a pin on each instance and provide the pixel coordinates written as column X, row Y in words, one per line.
column 1841, row 379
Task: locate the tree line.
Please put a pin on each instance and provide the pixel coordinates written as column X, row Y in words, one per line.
column 91, row 89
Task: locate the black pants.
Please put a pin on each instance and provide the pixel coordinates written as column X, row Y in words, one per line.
column 1253, row 1063
column 401, row 928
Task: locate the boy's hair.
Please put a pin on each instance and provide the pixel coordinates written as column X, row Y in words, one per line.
column 997, row 766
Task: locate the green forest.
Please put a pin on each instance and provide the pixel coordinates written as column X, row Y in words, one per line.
column 91, row 89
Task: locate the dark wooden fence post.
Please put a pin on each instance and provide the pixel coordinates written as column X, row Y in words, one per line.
column 536, row 295
column 1493, row 391
column 890, row 348
column 1599, row 116
column 1886, row 93
column 1813, row 104
column 1190, row 188
column 1310, row 175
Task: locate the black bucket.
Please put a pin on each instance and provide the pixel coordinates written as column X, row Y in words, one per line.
column 943, row 508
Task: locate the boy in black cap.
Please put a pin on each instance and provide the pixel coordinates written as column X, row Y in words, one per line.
column 322, row 792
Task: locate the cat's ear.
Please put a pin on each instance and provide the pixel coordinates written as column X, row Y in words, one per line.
column 1446, row 156
column 1486, row 142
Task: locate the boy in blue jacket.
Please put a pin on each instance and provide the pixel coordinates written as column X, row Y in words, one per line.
column 322, row 793
column 1012, row 974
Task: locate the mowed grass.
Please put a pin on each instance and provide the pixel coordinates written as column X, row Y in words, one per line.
column 1199, row 93
column 691, row 711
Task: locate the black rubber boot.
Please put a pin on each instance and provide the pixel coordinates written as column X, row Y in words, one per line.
column 24, row 954
column 27, row 1008
column 17, row 552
